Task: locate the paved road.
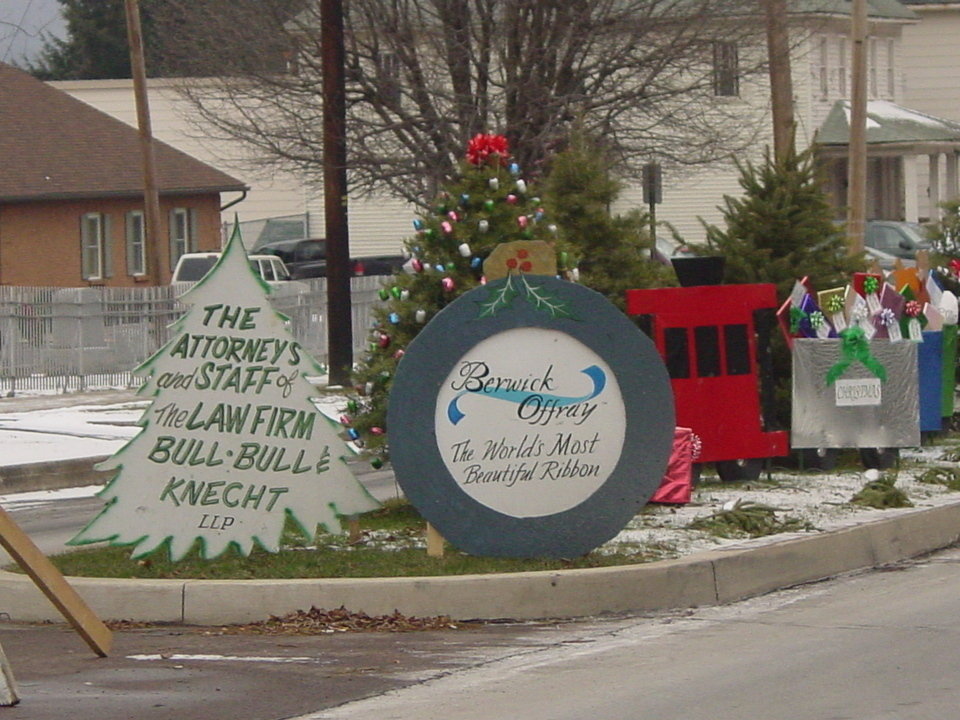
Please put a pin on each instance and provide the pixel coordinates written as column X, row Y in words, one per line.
column 878, row 645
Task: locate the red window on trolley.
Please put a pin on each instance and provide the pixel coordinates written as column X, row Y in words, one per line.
column 713, row 339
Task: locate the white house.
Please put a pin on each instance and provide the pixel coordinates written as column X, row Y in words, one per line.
column 377, row 227
column 912, row 140
column 931, row 62
column 912, row 153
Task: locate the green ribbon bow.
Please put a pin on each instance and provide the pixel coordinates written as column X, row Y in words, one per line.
column 854, row 347
column 797, row 316
column 870, row 284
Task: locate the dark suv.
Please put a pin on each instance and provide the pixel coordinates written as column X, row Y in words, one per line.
column 308, row 259
column 303, row 258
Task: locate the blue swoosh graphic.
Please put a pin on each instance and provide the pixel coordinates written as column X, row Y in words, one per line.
column 596, row 375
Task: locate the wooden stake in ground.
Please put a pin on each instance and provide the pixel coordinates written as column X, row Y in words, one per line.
column 52, row 584
column 8, row 686
column 434, row 542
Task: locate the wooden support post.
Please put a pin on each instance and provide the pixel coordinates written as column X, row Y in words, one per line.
column 8, row 686
column 435, row 542
column 353, row 528
column 52, row 584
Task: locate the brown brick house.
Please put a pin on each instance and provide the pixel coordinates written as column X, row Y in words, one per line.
column 71, row 193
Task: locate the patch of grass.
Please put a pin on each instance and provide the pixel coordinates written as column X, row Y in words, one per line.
column 748, row 519
column 947, row 477
column 882, row 493
column 390, row 544
column 951, row 453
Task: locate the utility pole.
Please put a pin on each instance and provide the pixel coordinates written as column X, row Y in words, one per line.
column 781, row 83
column 857, row 186
column 339, row 323
column 151, row 197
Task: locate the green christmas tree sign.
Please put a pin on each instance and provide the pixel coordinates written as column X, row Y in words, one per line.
column 232, row 443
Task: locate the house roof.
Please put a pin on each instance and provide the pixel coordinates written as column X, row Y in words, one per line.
column 53, row 146
column 887, row 123
column 886, row 9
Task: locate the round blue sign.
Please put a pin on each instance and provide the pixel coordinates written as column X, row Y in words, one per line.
column 530, row 418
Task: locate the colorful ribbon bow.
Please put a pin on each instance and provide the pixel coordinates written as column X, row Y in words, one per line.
column 854, row 347
column 870, row 284
column 817, row 320
column 888, row 317
column 955, row 267
column 481, row 147
column 834, row 304
column 797, row 316
column 912, row 309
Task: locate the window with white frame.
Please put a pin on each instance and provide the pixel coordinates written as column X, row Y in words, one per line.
column 94, row 246
column 842, row 66
column 824, row 69
column 726, row 69
column 182, row 233
column 891, row 77
column 136, row 243
column 388, row 72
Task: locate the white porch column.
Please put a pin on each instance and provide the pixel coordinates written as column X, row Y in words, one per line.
column 910, row 200
column 952, row 188
column 934, row 194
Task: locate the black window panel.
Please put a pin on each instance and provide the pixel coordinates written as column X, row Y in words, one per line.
column 737, row 349
column 677, row 352
column 707, row 339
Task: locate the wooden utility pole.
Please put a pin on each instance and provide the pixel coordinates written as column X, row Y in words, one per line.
column 339, row 324
column 781, row 84
column 151, row 197
column 857, row 186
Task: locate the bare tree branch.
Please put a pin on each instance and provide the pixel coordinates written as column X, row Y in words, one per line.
column 423, row 76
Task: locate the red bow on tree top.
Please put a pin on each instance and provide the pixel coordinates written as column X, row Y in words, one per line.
column 481, row 147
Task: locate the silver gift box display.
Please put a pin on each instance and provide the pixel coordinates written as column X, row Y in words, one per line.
column 858, row 410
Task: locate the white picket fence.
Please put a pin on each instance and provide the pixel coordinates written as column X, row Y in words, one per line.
column 72, row 339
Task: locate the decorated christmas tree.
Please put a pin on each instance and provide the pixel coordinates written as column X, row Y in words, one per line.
column 232, row 444
column 490, row 204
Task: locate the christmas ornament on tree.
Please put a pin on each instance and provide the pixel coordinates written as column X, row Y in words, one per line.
column 488, row 205
column 232, row 444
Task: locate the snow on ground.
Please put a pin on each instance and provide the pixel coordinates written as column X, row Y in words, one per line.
column 66, row 433
column 85, row 430
column 818, row 498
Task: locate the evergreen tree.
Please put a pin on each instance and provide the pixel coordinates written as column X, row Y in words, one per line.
column 488, row 205
column 614, row 250
column 96, row 46
column 782, row 228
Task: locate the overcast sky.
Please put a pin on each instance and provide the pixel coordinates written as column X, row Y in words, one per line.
column 21, row 25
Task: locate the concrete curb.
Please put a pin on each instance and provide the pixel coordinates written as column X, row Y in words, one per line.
column 709, row 578
column 52, row 475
